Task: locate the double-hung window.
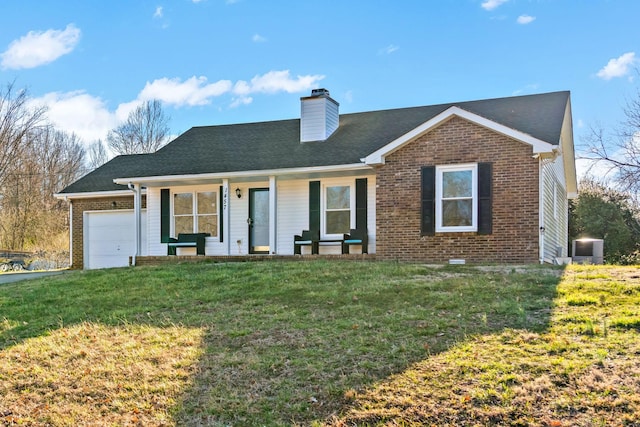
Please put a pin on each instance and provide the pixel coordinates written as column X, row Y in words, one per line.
column 195, row 212
column 456, row 198
column 337, row 218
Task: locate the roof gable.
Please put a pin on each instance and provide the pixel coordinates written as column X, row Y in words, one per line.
column 378, row 156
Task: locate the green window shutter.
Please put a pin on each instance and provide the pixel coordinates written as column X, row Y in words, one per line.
column 361, row 203
column 221, row 215
column 165, row 215
column 314, row 205
column 428, row 199
column 485, row 184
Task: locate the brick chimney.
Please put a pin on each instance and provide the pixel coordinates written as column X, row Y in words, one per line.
column 319, row 116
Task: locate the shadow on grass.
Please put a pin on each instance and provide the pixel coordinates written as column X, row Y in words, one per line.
column 288, row 343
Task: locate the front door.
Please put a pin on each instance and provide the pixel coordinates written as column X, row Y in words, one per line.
column 258, row 220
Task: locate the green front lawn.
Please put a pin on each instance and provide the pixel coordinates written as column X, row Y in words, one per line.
column 322, row 343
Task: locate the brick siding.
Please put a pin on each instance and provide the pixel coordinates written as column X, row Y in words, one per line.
column 515, row 198
column 79, row 206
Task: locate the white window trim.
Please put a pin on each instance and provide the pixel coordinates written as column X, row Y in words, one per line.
column 323, row 207
column 194, row 210
column 473, row 167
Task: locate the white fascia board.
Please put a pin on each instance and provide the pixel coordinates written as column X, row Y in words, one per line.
column 377, row 157
column 243, row 174
column 568, row 153
column 94, row 194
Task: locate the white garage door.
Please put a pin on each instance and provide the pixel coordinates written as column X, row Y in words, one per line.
column 109, row 238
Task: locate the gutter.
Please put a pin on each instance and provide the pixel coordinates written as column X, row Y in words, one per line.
column 244, row 174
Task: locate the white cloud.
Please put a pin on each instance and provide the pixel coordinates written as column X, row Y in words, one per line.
column 123, row 110
column 90, row 119
column 348, row 96
column 257, row 38
column 243, row 100
column 388, row 50
column 241, row 88
column 78, row 112
column 191, row 92
column 197, row 91
column 525, row 19
column 158, row 13
column 40, row 47
column 492, row 4
column 277, row 81
column 618, row 67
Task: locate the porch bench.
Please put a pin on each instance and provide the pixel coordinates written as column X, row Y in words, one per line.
column 307, row 238
column 355, row 237
column 187, row 240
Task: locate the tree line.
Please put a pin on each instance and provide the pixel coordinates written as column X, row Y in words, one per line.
column 608, row 203
column 37, row 160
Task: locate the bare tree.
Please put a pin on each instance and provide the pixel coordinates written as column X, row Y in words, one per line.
column 97, row 155
column 30, row 217
column 145, row 130
column 17, row 119
column 618, row 155
column 60, row 157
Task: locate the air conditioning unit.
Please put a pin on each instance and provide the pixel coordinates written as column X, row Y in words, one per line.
column 588, row 251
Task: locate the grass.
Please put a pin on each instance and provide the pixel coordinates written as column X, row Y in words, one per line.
column 322, row 343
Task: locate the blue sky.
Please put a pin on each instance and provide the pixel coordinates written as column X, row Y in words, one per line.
column 232, row 61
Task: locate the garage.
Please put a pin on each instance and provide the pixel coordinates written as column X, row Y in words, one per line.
column 109, row 238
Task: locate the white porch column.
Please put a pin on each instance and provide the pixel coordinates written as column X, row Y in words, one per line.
column 137, row 214
column 71, row 249
column 273, row 220
column 226, row 215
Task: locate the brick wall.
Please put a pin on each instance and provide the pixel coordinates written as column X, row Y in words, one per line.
column 515, row 198
column 79, row 206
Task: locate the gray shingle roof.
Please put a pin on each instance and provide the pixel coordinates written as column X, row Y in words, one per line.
column 276, row 144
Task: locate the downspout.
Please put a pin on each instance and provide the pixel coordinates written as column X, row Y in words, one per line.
column 541, row 207
column 273, row 223
column 136, row 213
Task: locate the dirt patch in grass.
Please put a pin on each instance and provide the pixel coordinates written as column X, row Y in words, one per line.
column 91, row 374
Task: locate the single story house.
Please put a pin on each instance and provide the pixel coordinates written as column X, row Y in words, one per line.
column 479, row 181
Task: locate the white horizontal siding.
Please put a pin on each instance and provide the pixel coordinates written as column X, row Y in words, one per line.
column 293, row 213
column 555, row 211
column 239, row 209
column 154, row 247
column 319, row 119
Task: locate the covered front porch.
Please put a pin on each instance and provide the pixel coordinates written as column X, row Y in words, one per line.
column 252, row 214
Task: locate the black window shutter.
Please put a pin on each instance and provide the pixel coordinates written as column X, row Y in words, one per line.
column 485, row 216
column 361, row 203
column 428, row 199
column 314, row 205
column 221, row 215
column 165, row 215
